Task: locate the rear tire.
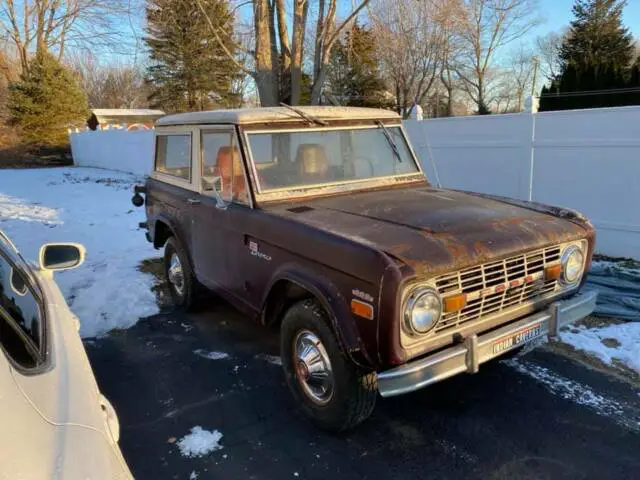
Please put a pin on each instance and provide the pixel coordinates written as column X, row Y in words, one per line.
column 335, row 405
column 182, row 284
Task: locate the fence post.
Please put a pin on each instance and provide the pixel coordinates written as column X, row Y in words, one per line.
column 531, row 106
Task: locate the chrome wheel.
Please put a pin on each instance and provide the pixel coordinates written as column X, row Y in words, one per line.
column 313, row 367
column 176, row 276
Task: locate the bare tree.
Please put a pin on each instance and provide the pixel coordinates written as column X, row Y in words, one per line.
column 520, row 73
column 53, row 25
column 276, row 59
column 548, row 47
column 411, row 37
column 489, row 26
column 115, row 85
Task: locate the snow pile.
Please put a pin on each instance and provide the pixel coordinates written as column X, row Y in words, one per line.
column 211, row 355
column 614, row 342
column 91, row 207
column 199, row 442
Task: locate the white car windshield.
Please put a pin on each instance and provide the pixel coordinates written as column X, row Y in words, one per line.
column 303, row 158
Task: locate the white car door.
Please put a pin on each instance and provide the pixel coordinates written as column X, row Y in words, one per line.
column 55, row 422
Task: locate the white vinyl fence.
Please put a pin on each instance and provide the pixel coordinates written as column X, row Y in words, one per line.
column 121, row 150
column 588, row 160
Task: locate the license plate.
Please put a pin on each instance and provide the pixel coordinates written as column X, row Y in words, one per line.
column 515, row 339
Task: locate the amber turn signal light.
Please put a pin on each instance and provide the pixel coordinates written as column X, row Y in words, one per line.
column 455, row 303
column 364, row 310
column 553, row 272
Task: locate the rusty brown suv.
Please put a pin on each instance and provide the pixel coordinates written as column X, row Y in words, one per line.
column 320, row 222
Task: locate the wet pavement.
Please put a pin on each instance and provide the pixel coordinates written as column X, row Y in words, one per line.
column 541, row 417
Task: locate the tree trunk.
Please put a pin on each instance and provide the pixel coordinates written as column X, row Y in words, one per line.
column 265, row 74
column 316, row 90
column 300, row 9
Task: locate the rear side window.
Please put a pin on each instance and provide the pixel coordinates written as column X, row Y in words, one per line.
column 173, row 155
column 21, row 321
column 222, row 163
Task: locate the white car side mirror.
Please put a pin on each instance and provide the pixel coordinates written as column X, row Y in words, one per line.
column 61, row 256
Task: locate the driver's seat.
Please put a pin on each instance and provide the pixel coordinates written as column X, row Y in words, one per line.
column 311, row 159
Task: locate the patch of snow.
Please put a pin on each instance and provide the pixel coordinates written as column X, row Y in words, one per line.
column 194, row 475
column 92, row 207
column 625, row 348
column 578, row 393
column 199, row 442
column 211, row 355
column 275, row 360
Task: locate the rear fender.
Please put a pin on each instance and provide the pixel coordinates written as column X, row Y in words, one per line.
column 175, row 232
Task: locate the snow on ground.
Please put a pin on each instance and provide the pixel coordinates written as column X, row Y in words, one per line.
column 614, row 342
column 211, row 355
column 571, row 390
column 92, row 207
column 200, row 442
column 270, row 358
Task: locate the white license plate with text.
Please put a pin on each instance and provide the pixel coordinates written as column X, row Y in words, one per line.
column 515, row 339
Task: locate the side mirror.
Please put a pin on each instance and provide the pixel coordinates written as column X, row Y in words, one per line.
column 61, row 256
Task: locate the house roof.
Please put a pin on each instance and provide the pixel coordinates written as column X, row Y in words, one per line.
column 275, row 114
column 126, row 112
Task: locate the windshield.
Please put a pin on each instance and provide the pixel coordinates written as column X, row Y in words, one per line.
column 314, row 157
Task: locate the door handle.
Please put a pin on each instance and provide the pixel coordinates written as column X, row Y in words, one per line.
column 193, row 201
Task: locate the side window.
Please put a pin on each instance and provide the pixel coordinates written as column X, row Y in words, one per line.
column 173, row 155
column 222, row 166
column 20, row 316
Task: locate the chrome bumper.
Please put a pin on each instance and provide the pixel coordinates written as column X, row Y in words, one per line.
column 467, row 356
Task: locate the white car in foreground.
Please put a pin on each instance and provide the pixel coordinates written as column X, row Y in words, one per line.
column 54, row 422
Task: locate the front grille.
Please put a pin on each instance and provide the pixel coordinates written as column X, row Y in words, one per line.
column 485, row 278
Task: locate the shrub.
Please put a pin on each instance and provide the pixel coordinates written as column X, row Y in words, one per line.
column 45, row 101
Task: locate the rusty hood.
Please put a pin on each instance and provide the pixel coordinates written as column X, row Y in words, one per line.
column 434, row 230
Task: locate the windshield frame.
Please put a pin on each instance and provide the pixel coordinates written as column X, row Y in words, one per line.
column 341, row 186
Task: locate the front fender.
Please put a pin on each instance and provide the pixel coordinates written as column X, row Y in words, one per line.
column 334, row 303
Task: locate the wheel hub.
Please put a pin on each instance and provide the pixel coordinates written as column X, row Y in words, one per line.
column 313, row 367
column 175, row 274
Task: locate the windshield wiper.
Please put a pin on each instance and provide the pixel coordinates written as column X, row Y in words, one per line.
column 392, row 142
column 306, row 116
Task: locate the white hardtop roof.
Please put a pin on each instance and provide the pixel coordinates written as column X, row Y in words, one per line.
column 275, row 114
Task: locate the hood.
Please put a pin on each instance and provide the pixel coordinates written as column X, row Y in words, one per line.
column 435, row 230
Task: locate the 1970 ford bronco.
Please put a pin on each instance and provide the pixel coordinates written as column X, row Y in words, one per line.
column 319, row 221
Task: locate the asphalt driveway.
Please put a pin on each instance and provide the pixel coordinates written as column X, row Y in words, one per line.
column 543, row 417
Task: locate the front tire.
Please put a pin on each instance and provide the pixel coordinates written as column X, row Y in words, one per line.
column 180, row 279
column 328, row 387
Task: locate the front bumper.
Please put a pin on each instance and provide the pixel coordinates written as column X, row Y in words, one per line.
column 467, row 356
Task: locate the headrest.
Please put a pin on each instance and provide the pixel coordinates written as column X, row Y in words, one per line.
column 312, row 158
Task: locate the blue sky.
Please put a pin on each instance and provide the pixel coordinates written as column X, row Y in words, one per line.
column 556, row 14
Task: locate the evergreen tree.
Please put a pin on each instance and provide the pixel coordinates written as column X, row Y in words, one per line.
column 597, row 36
column 189, row 69
column 596, row 55
column 354, row 77
column 45, row 101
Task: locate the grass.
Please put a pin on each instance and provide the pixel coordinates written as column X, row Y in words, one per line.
column 14, row 153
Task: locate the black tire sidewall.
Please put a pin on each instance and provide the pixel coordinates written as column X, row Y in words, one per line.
column 335, row 416
column 184, row 301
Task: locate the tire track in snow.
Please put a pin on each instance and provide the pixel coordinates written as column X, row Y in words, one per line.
column 622, row 413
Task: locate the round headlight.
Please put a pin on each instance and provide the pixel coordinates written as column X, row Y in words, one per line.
column 423, row 310
column 572, row 264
